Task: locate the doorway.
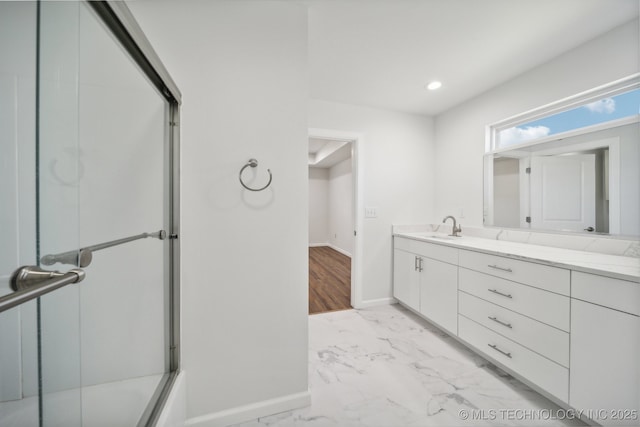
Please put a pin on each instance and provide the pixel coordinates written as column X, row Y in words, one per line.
column 333, row 221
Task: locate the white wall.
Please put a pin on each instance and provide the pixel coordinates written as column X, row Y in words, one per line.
column 506, row 192
column 241, row 67
column 397, row 157
column 318, row 206
column 341, row 207
column 460, row 132
column 331, row 207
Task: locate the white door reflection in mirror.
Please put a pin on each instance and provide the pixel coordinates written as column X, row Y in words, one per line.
column 563, row 192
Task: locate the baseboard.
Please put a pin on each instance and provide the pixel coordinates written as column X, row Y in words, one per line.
column 250, row 412
column 316, row 245
column 335, row 248
column 342, row 251
column 376, row 302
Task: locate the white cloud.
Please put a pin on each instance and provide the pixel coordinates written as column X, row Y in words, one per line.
column 517, row 135
column 606, row 106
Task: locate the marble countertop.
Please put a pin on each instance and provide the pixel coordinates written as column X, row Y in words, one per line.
column 618, row 267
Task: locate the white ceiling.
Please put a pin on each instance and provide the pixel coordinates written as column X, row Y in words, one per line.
column 326, row 153
column 382, row 53
column 316, row 144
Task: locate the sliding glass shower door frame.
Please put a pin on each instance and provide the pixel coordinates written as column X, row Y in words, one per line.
column 119, row 20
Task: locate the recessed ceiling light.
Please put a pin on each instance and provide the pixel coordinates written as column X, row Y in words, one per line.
column 434, row 85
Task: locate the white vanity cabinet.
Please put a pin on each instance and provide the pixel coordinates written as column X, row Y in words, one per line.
column 425, row 278
column 518, row 314
column 573, row 335
column 605, row 349
column 406, row 278
column 439, row 293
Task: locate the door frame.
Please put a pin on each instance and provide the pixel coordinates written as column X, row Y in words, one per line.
column 357, row 211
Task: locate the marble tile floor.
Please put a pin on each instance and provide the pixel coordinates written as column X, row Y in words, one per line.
column 384, row 366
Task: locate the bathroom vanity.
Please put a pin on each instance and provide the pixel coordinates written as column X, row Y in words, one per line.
column 566, row 322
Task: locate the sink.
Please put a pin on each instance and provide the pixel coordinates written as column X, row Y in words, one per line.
column 439, row 236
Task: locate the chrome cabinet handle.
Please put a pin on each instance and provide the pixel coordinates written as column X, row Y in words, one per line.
column 495, row 347
column 495, row 319
column 500, row 293
column 508, row 270
column 415, row 263
column 420, row 264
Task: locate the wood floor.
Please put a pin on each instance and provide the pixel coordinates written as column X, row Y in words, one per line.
column 329, row 280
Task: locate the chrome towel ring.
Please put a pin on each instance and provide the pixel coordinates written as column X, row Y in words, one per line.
column 253, row 163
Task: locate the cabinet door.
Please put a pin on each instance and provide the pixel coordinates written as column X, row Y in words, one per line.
column 439, row 293
column 406, row 286
column 605, row 363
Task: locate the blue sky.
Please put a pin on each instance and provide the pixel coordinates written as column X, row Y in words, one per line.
column 619, row 106
column 623, row 105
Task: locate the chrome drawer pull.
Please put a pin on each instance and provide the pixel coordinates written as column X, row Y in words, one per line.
column 508, row 270
column 495, row 347
column 500, row 293
column 508, row 325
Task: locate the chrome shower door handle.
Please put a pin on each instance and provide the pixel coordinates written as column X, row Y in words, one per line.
column 32, row 276
column 30, row 282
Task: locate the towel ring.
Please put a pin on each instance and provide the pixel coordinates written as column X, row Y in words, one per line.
column 253, row 163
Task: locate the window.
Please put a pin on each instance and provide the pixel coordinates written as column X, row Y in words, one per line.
column 603, row 107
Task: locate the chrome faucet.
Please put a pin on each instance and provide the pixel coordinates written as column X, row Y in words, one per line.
column 456, row 229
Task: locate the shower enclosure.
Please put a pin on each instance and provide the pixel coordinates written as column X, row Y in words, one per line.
column 88, row 188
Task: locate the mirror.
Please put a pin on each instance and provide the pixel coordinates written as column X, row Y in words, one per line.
column 586, row 183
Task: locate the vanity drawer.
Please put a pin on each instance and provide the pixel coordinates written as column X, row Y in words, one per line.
column 543, row 339
column 428, row 250
column 541, row 276
column 618, row 294
column 541, row 371
column 547, row 307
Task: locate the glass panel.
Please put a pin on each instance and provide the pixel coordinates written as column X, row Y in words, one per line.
column 603, row 110
column 103, row 167
column 122, row 193
column 58, row 210
column 18, row 337
column 84, row 160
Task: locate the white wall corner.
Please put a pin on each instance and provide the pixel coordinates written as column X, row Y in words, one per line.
column 250, row 412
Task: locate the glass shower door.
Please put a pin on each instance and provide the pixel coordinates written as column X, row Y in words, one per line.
column 104, row 167
column 39, row 341
column 87, row 180
column 58, row 210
